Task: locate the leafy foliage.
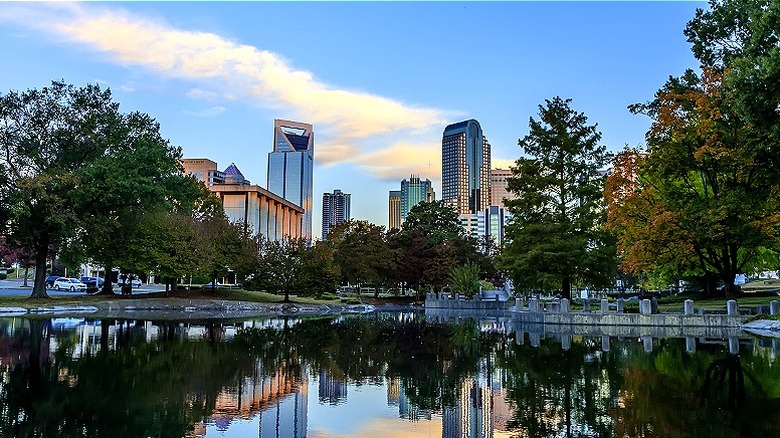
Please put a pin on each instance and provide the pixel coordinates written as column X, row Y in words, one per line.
column 555, row 235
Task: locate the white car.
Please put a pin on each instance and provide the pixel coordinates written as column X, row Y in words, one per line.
column 71, row 284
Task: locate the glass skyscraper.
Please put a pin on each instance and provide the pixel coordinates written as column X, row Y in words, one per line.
column 291, row 167
column 465, row 174
column 413, row 191
column 335, row 210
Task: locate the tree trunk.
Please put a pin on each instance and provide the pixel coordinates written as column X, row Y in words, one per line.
column 566, row 287
column 26, row 272
column 107, row 288
column 39, row 285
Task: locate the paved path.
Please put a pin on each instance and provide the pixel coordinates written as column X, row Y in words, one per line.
column 14, row 287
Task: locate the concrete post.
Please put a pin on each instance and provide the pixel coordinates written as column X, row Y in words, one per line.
column 565, row 306
column 604, row 305
column 654, row 305
column 518, row 304
column 605, row 343
column 621, row 305
column 774, row 307
column 533, row 305
column 688, row 307
column 731, row 308
column 690, row 345
column 586, row 305
column 566, row 342
column 519, row 337
column 734, row 345
column 536, row 339
column 645, row 308
column 647, row 341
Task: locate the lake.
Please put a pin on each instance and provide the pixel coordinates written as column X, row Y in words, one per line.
column 393, row 375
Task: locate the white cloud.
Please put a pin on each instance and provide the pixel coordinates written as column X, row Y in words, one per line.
column 251, row 74
column 208, row 112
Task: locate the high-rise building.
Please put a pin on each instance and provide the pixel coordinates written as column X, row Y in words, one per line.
column 394, row 202
column 489, row 224
column 203, row 170
column 498, row 187
column 291, row 167
column 335, row 210
column 465, row 175
column 413, row 191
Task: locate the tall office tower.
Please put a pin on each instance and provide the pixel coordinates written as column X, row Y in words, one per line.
column 291, row 167
column 498, row 187
column 395, row 209
column 335, row 210
column 414, row 191
column 465, row 174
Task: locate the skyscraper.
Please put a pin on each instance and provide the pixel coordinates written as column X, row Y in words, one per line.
column 465, row 174
column 335, row 210
column 394, row 201
column 413, row 191
column 291, row 167
column 499, row 186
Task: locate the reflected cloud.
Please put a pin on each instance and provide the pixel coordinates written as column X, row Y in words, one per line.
column 386, row 428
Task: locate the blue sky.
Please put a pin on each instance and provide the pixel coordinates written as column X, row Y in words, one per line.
column 379, row 81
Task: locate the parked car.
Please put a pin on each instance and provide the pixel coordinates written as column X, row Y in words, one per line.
column 71, row 284
column 209, row 285
column 93, row 282
column 50, row 280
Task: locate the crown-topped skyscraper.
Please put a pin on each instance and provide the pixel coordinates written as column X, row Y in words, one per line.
column 465, row 171
column 291, row 167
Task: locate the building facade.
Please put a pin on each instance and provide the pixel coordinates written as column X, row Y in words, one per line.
column 335, row 210
column 203, row 170
column 499, row 187
column 291, row 167
column 488, row 224
column 413, row 191
column 394, row 204
column 465, row 167
column 257, row 208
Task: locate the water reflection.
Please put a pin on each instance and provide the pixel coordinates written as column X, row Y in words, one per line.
column 385, row 375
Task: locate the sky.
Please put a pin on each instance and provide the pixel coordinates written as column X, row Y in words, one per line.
column 378, row 80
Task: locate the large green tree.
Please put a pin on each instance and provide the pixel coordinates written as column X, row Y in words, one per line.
column 709, row 185
column 362, row 253
column 555, row 234
column 47, row 139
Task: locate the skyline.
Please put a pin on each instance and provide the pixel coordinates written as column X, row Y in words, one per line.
column 378, row 81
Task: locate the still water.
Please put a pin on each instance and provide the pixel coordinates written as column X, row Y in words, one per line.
column 381, row 375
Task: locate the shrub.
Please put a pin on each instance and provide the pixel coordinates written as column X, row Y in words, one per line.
column 3, row 276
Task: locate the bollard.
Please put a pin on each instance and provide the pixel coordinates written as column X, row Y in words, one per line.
column 647, row 341
column 536, row 339
column 566, row 342
column 645, row 308
column 731, row 308
column 734, row 345
column 586, row 305
column 774, row 307
column 621, row 305
column 605, row 343
column 689, row 307
column 518, row 304
column 533, row 305
column 520, row 338
column 604, row 305
column 690, row 344
column 654, row 305
column 565, row 305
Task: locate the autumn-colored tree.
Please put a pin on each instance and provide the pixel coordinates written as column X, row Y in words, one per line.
column 707, row 195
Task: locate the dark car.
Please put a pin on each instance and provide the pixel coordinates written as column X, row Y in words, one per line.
column 91, row 281
column 50, row 280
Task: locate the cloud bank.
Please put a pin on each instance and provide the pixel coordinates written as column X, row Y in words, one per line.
column 348, row 123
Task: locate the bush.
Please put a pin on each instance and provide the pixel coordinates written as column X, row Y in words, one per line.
column 350, row 300
column 3, row 276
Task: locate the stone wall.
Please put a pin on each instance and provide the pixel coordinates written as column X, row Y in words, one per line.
column 458, row 302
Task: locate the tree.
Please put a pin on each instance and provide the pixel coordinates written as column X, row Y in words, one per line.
column 435, row 220
column 465, row 279
column 362, row 253
column 555, row 235
column 137, row 177
column 47, row 137
column 708, row 189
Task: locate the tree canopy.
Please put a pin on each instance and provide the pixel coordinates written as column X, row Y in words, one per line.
column 555, row 234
